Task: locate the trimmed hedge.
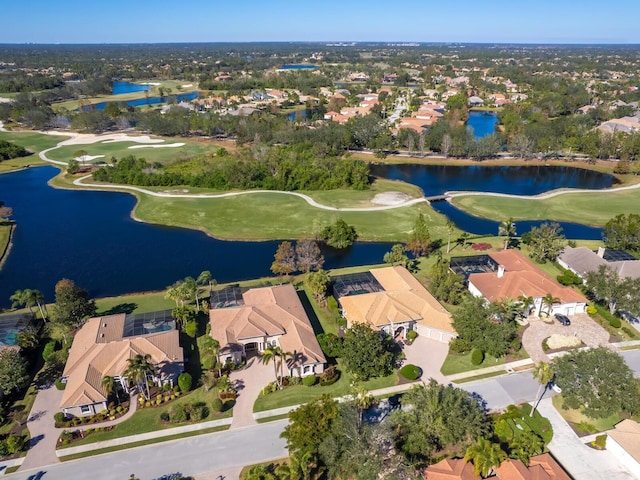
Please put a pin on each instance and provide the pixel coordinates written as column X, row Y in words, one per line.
column 477, row 356
column 411, row 372
column 309, row 380
column 184, row 382
column 412, row 335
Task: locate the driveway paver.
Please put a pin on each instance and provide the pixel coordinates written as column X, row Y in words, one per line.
column 429, row 355
column 249, row 381
column 582, row 326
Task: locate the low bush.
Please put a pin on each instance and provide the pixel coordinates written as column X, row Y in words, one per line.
column 15, row 443
column 569, row 278
column 59, row 417
column 184, row 382
column 198, row 412
column 177, row 414
column 330, row 376
column 166, row 387
column 295, row 381
column 3, row 448
column 591, row 310
column 460, row 346
column 217, row 405
column 59, row 384
column 477, row 356
column 164, row 416
column 330, row 344
column 412, row 335
column 615, row 322
column 309, row 380
column 48, row 349
column 600, row 442
column 410, row 372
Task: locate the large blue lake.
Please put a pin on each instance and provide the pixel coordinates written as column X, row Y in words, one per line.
column 482, row 123
column 91, row 238
column 150, row 100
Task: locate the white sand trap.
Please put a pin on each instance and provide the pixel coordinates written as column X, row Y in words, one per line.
column 188, row 85
column 169, row 145
column 88, row 158
column 390, row 198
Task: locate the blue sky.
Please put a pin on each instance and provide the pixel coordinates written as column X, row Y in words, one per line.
column 517, row 21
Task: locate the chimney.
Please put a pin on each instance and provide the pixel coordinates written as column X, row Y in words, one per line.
column 500, row 271
column 601, row 252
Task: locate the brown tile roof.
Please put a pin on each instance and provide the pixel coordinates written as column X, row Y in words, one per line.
column 451, row 469
column 627, row 435
column 404, row 298
column 521, row 277
column 541, row 467
column 268, row 311
column 99, row 350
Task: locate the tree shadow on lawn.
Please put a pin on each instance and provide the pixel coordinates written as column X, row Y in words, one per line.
column 121, row 308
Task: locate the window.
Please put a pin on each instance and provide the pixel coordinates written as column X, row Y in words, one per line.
column 85, row 409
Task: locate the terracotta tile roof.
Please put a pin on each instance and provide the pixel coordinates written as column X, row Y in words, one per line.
column 268, row 311
column 521, row 278
column 541, row 467
column 99, row 349
column 627, row 435
column 404, row 298
column 450, row 469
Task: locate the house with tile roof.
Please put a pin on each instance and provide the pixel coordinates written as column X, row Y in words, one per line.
column 103, row 346
column 516, row 276
column 246, row 323
column 392, row 300
column 581, row 260
column 623, row 441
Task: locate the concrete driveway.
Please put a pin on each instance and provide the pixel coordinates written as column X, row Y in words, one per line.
column 249, row 381
column 429, row 355
column 582, row 326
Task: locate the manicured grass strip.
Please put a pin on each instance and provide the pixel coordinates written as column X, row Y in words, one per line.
column 576, row 418
column 590, row 208
column 479, row 377
column 142, row 443
column 299, row 394
column 33, row 141
column 259, row 217
column 273, row 419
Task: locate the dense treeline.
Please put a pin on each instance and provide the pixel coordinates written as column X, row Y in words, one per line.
column 10, row 150
column 304, row 81
column 269, row 168
column 28, row 83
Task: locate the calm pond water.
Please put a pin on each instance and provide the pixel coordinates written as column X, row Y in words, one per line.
column 150, row 101
column 127, row 87
column 91, row 238
column 483, row 123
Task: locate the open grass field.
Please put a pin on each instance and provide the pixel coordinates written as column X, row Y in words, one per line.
column 32, row 141
column 299, row 394
column 272, row 216
column 593, row 208
column 121, row 149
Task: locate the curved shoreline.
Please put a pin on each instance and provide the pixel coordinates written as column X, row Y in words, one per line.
column 5, row 254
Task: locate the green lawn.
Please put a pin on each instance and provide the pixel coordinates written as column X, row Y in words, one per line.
column 300, row 394
column 121, row 149
column 32, row 141
column 5, row 233
column 148, row 419
column 138, row 303
column 260, row 216
column 594, row 208
column 580, row 421
column 462, row 363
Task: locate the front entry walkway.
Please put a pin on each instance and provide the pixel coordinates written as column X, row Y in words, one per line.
column 249, row 382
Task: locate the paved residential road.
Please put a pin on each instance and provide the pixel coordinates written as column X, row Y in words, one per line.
column 208, row 454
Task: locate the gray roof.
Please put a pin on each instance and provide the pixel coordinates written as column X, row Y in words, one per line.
column 582, row 261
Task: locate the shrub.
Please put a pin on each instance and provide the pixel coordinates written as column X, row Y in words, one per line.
column 147, row 404
column 166, row 387
column 198, row 413
column 615, row 322
column 65, row 437
column 591, row 310
column 3, row 448
column 329, row 376
column 177, row 414
column 15, row 443
column 410, row 372
column 569, row 278
column 49, row 348
column 164, row 416
column 477, row 356
column 184, row 382
column 191, row 328
column 309, row 380
column 295, row 381
column 481, row 247
column 216, row 405
column 412, row 335
column 158, row 399
column 330, row 344
column 59, row 417
column 460, row 346
column 59, row 384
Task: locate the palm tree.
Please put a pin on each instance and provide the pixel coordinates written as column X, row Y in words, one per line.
column 110, row 387
column 271, row 354
column 450, row 228
column 507, row 229
column 527, row 303
column 300, row 467
column 509, row 308
column 549, row 301
column 35, row 297
column 260, row 472
column 139, row 367
column 19, row 298
column 206, row 278
column 173, row 293
column 362, row 400
column 543, row 372
column 485, row 456
column 190, row 289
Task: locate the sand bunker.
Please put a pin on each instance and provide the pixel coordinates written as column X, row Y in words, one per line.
column 169, row 145
column 88, row 158
column 390, row 198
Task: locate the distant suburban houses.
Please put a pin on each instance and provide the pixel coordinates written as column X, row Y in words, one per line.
column 509, row 274
column 581, row 260
column 103, row 346
column 246, row 323
column 392, row 300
